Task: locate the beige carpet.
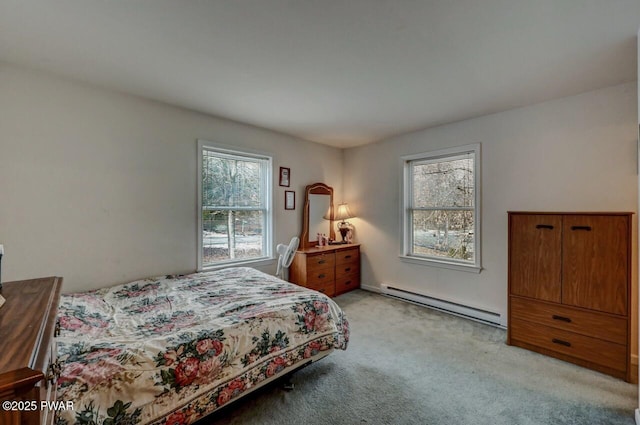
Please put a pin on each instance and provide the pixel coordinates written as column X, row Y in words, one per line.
column 407, row 364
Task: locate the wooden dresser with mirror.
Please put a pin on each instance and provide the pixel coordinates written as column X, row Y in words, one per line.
column 330, row 269
column 28, row 359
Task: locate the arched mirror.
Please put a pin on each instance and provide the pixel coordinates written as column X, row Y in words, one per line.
column 318, row 214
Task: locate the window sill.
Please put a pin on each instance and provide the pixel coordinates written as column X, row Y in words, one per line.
column 469, row 268
column 257, row 262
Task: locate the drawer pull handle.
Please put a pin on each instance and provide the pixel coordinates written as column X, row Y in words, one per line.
column 561, row 342
column 348, row 282
column 322, row 290
column 347, row 269
column 322, row 261
column 587, row 228
column 347, row 257
column 544, row 226
column 561, row 318
column 322, row 276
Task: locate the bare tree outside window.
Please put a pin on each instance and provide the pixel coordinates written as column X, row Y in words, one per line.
column 441, row 211
column 234, row 210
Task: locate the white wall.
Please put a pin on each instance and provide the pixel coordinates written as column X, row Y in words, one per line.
column 100, row 187
column 572, row 154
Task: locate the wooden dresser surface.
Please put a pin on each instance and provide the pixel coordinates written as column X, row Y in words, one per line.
column 27, row 328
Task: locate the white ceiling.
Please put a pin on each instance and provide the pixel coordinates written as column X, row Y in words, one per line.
column 339, row 72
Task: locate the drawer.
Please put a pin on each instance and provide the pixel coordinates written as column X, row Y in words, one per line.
column 328, row 289
column 320, row 277
column 320, row 261
column 345, row 269
column 588, row 323
column 593, row 350
column 348, row 255
column 347, row 283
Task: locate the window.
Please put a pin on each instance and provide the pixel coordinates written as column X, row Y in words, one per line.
column 441, row 208
column 234, row 214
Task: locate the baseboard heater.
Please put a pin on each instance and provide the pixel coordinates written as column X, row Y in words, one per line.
column 484, row 316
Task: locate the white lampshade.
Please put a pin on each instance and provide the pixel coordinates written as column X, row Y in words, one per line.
column 343, row 213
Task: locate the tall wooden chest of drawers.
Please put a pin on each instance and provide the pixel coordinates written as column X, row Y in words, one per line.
column 332, row 270
column 570, row 287
column 28, row 352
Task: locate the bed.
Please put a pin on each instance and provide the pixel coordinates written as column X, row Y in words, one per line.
column 173, row 349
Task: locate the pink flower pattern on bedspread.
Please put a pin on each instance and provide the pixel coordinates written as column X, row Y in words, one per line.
column 170, row 350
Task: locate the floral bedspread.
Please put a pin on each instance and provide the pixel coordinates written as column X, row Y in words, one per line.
column 170, row 350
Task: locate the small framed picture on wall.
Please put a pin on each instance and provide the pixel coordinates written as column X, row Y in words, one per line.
column 285, row 176
column 289, row 200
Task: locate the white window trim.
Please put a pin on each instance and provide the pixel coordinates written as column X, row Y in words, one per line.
column 267, row 258
column 405, row 223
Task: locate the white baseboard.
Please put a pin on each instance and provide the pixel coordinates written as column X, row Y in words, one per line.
column 457, row 309
column 370, row 288
column 637, row 416
column 381, row 290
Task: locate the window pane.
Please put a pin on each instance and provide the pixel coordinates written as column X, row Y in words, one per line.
column 231, row 182
column 444, row 234
column 231, row 235
column 446, row 183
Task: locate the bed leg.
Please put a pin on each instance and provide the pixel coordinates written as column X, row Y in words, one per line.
column 288, row 385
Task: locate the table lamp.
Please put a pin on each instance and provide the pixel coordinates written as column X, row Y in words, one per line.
column 342, row 215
